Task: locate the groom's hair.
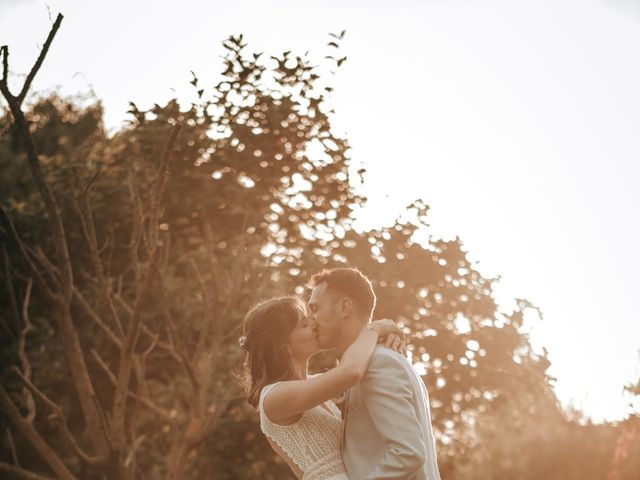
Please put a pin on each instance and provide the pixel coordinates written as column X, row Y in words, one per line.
column 350, row 282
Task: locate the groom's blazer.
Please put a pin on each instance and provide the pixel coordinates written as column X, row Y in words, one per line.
column 386, row 427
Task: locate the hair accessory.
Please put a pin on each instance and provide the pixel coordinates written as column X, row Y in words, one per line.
column 242, row 341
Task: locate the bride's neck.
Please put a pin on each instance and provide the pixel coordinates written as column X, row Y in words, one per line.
column 301, row 368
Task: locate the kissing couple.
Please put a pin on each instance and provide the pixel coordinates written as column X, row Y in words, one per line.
column 383, row 430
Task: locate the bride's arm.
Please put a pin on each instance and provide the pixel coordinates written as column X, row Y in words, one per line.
column 290, row 398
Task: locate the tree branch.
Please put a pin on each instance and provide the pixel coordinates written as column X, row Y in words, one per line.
column 176, row 349
column 201, row 363
column 30, row 433
column 162, row 173
column 11, row 291
column 21, row 472
column 57, row 415
column 88, row 227
column 24, row 360
column 133, row 329
column 12, row 233
column 4, row 51
column 12, row 446
column 136, row 227
column 126, row 356
column 96, row 318
column 147, row 402
column 50, row 268
column 64, row 294
column 38, row 64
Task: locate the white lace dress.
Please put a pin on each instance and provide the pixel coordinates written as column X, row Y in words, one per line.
column 312, row 443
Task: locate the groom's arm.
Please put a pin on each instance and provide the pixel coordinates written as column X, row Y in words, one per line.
column 387, row 393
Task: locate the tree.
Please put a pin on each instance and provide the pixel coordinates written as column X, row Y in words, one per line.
column 114, row 296
column 156, row 242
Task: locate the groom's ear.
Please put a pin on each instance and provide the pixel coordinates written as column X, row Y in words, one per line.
column 345, row 307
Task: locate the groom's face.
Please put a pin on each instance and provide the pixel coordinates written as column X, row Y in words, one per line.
column 324, row 314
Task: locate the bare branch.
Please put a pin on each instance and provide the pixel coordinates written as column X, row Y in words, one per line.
column 68, row 332
column 167, row 347
column 57, row 416
column 126, row 357
column 178, row 449
column 38, row 64
column 12, row 446
column 9, row 227
column 30, row 433
column 147, row 402
column 91, row 180
column 102, row 421
column 176, row 346
column 193, row 378
column 11, row 291
column 123, row 303
column 104, row 366
column 96, row 318
column 24, row 360
column 5, row 326
column 108, row 243
column 208, row 309
column 164, row 261
column 209, row 423
column 89, row 230
column 133, row 329
column 135, row 445
column 162, row 173
column 51, row 269
column 21, row 472
column 202, row 364
column 136, row 227
column 4, row 51
column 154, row 342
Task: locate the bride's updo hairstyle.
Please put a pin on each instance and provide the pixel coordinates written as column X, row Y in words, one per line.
column 265, row 340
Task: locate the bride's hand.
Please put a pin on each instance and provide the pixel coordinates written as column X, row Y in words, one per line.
column 395, row 342
column 390, row 334
column 385, row 327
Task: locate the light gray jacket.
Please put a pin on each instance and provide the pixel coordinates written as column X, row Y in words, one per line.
column 386, row 429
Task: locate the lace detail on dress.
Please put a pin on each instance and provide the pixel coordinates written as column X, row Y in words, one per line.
column 329, row 466
column 312, row 443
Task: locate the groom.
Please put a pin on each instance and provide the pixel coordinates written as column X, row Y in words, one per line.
column 386, row 425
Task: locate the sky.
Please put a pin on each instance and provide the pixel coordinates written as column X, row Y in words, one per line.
column 516, row 121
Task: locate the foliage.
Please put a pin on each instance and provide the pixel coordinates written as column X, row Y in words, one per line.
column 257, row 196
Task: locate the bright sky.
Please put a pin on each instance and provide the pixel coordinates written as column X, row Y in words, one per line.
column 518, row 122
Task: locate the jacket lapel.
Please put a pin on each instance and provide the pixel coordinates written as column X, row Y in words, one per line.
column 345, row 412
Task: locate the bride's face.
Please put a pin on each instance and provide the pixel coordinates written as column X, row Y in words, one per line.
column 302, row 339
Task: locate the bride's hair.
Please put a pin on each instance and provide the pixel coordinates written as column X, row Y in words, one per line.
column 265, row 340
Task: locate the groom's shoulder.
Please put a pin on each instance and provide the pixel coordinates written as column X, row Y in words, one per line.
column 383, row 356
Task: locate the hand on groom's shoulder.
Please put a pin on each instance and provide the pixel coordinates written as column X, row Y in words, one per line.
column 387, row 366
column 386, row 352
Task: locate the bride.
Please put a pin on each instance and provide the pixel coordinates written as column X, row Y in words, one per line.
column 297, row 414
